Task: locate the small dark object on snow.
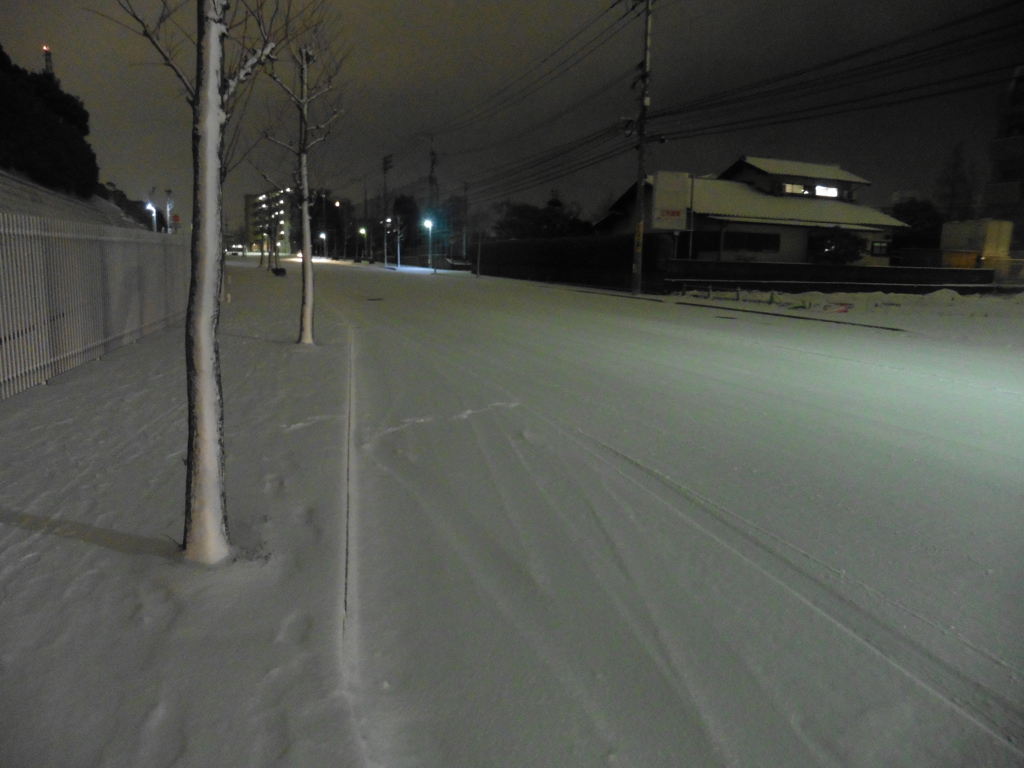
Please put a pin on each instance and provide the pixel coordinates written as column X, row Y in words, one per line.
column 279, row 272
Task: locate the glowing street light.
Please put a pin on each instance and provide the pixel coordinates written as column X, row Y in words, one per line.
column 387, row 226
column 430, row 243
column 362, row 231
column 152, row 209
column 323, row 236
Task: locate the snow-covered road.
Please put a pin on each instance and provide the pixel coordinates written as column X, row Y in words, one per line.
column 594, row 530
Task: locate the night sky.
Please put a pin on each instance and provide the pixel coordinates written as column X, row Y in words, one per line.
column 415, row 68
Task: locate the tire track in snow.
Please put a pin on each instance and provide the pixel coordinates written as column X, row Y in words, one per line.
column 979, row 702
column 989, row 708
column 798, row 572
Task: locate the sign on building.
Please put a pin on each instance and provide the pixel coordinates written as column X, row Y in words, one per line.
column 672, row 190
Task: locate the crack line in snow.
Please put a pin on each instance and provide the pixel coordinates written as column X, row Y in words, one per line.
column 349, row 442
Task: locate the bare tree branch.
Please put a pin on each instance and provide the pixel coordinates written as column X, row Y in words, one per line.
column 274, row 140
column 248, row 67
column 159, row 38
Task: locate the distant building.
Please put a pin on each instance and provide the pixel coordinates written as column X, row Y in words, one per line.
column 268, row 221
column 762, row 209
column 1004, row 194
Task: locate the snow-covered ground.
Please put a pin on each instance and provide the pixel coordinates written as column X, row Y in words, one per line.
column 494, row 523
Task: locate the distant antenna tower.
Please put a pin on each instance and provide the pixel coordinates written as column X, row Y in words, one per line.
column 47, row 60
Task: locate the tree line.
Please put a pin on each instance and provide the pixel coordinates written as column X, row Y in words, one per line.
column 43, row 131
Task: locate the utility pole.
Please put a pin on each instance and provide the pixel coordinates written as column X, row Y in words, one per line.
column 465, row 218
column 432, row 179
column 386, row 165
column 641, row 147
column 366, row 221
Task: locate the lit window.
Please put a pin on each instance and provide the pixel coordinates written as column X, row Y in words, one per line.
column 794, row 189
column 821, row 191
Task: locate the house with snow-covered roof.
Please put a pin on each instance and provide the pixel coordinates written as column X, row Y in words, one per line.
column 758, row 209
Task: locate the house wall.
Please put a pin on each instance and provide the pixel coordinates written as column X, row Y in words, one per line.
column 792, row 243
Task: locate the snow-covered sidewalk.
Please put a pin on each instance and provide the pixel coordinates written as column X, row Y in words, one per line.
column 114, row 651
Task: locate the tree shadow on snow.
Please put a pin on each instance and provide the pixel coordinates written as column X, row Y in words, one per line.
column 125, row 543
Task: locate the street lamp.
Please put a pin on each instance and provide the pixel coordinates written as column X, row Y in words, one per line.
column 362, row 231
column 323, row 236
column 152, row 209
column 430, row 243
column 387, row 226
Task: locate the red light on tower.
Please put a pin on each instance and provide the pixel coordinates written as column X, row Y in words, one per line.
column 47, row 60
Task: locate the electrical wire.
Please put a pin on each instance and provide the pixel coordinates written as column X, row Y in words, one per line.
column 563, row 67
column 609, row 142
column 821, row 68
column 602, row 90
column 848, row 105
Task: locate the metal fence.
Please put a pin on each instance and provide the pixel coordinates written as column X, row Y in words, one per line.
column 71, row 291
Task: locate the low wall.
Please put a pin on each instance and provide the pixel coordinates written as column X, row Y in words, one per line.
column 606, row 262
column 599, row 261
column 682, row 275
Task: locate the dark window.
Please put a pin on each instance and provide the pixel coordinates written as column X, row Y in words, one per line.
column 760, row 242
column 705, row 240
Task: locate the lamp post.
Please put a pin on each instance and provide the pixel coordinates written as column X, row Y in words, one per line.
column 387, row 226
column 152, row 209
column 430, row 243
column 362, row 231
column 337, row 218
column 323, row 236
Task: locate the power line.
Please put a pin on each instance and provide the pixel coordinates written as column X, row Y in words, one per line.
column 608, row 143
column 486, row 111
column 820, row 68
column 568, row 110
column 848, row 105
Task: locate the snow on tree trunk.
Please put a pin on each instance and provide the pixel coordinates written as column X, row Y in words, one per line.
column 306, row 323
column 206, row 535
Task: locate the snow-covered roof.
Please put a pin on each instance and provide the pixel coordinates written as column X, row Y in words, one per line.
column 19, row 195
column 736, row 201
column 799, row 169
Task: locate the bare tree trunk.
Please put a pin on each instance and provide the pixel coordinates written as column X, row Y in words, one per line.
column 212, row 94
column 206, row 535
column 306, row 322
